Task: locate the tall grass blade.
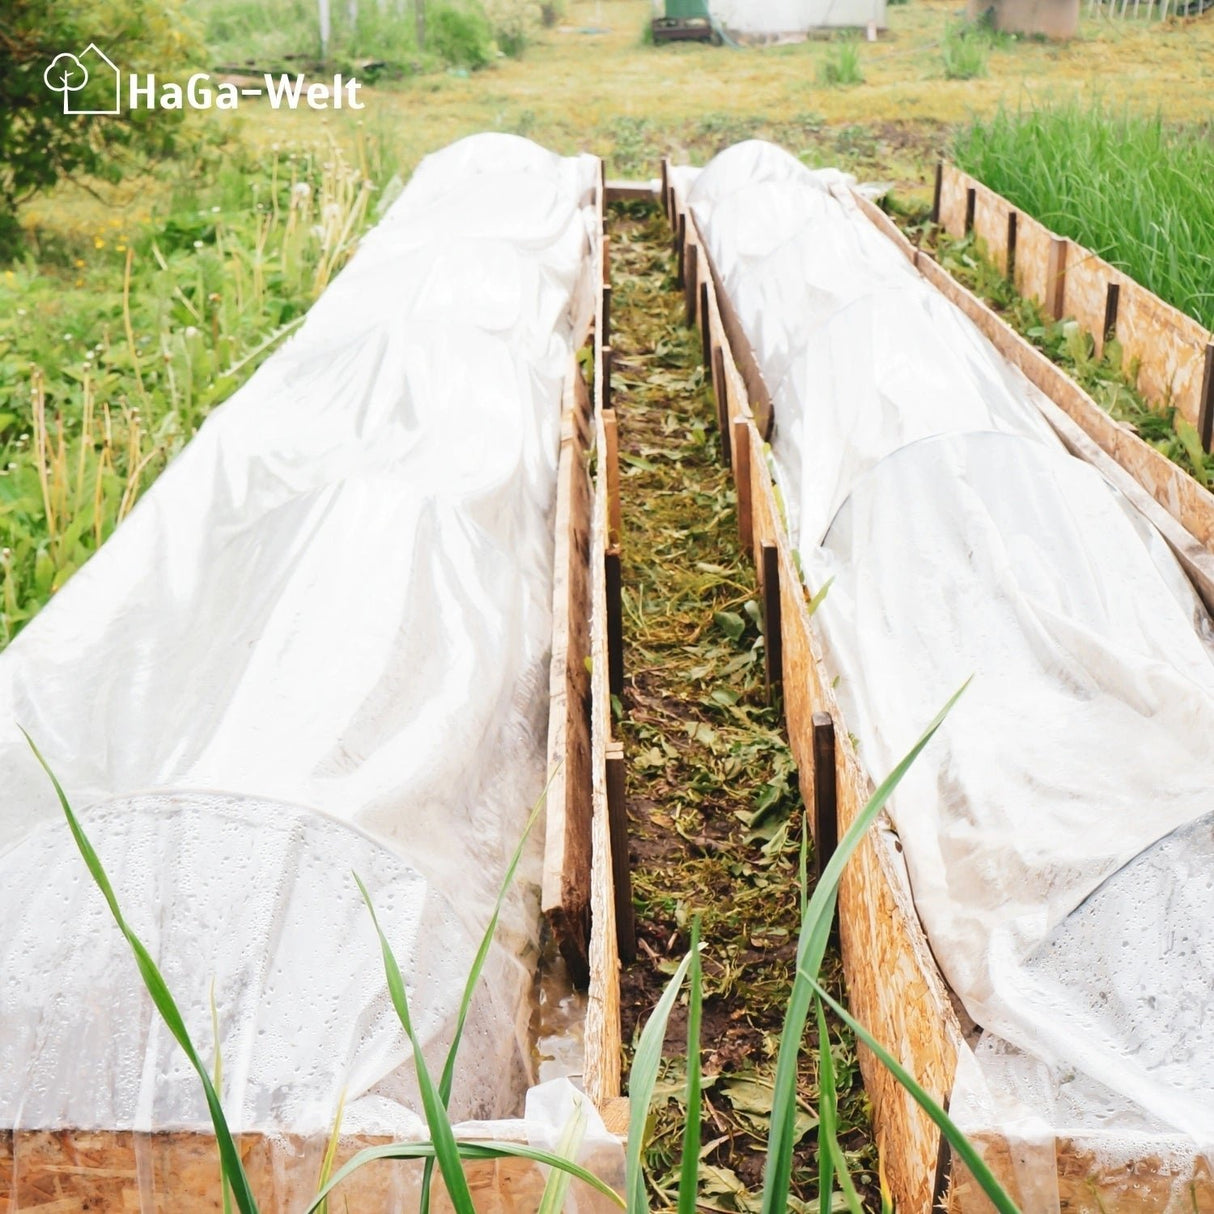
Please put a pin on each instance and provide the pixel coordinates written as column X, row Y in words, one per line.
column 557, row 1186
column 326, row 1164
column 471, row 1151
column 641, row 1081
column 689, row 1172
column 218, row 1081
column 831, row 1160
column 446, row 1149
column 811, row 946
column 957, row 1140
column 232, row 1167
column 474, row 975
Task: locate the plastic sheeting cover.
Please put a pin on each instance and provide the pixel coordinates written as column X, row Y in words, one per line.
column 334, row 609
column 776, row 18
column 965, row 542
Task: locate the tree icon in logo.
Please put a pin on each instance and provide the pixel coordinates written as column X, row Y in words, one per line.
column 68, row 74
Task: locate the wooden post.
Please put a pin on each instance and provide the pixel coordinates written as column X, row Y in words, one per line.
column 1012, row 220
column 691, row 274
column 826, row 797
column 1112, row 300
column 611, row 460
column 607, row 314
column 1205, row 414
column 740, row 450
column 621, row 868
column 720, row 391
column 937, row 191
column 971, row 202
column 705, row 330
column 773, row 649
column 666, row 186
column 680, row 248
column 615, row 621
column 607, row 356
column 1055, row 278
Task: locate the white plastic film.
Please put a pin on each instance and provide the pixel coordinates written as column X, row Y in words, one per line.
column 333, row 609
column 963, row 541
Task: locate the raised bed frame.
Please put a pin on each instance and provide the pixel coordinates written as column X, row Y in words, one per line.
column 177, row 1172
column 895, row 987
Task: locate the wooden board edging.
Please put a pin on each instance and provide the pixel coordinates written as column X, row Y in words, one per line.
column 1167, row 346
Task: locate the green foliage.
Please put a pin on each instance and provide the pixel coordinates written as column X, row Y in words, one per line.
column 460, row 34
column 840, row 65
column 965, row 51
column 116, row 345
column 39, row 143
column 1138, row 191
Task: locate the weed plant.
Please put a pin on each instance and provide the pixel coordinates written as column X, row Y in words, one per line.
column 1137, row 190
column 965, row 51
column 840, row 65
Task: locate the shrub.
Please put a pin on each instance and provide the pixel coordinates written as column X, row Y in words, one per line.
column 459, row 35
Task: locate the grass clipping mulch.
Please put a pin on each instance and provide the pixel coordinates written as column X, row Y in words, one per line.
column 715, row 816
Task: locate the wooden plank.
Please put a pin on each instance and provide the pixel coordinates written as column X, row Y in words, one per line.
column 631, row 191
column 1055, row 275
column 603, row 1045
column 177, row 1172
column 621, row 866
column 611, row 469
column 565, row 890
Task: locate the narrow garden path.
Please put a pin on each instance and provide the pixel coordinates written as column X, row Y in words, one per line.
column 714, row 810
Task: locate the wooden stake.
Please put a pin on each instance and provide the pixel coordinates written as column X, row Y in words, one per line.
column 720, row 391
column 611, row 458
column 971, row 202
column 621, row 868
column 1055, row 277
column 1205, row 416
column 937, row 191
column 772, row 641
column 1112, row 299
column 666, row 186
column 740, row 450
column 1012, row 220
column 607, row 362
column 680, row 248
column 705, row 331
column 607, row 315
column 826, row 798
column 615, row 621
column 691, row 273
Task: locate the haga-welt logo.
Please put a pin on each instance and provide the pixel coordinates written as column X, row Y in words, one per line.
column 70, row 74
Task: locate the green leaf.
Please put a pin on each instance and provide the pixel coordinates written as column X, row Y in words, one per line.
column 957, row 1140
column 229, row 1156
column 641, row 1079
column 831, row 1160
column 730, row 623
column 689, row 1169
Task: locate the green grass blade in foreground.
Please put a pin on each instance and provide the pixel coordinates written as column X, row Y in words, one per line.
column 970, row 1157
column 689, row 1171
column 474, row 975
column 445, row 1148
column 557, row 1185
column 233, row 1169
column 326, row 1164
column 641, row 1081
column 218, row 1082
column 811, row 946
column 471, row 1151
column 831, row 1160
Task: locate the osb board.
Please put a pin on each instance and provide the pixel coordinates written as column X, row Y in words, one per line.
column 1065, row 1176
column 178, row 1173
column 604, row 1047
column 1177, row 492
column 1167, row 345
column 565, row 896
column 894, row 986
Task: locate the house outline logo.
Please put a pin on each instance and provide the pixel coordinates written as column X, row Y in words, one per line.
column 68, row 74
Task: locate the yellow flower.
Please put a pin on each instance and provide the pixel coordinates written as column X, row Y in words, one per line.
column 80, row 282
column 98, row 243
column 79, row 264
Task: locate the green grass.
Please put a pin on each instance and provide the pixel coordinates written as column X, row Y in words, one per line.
column 1134, row 189
column 965, row 51
column 840, row 64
